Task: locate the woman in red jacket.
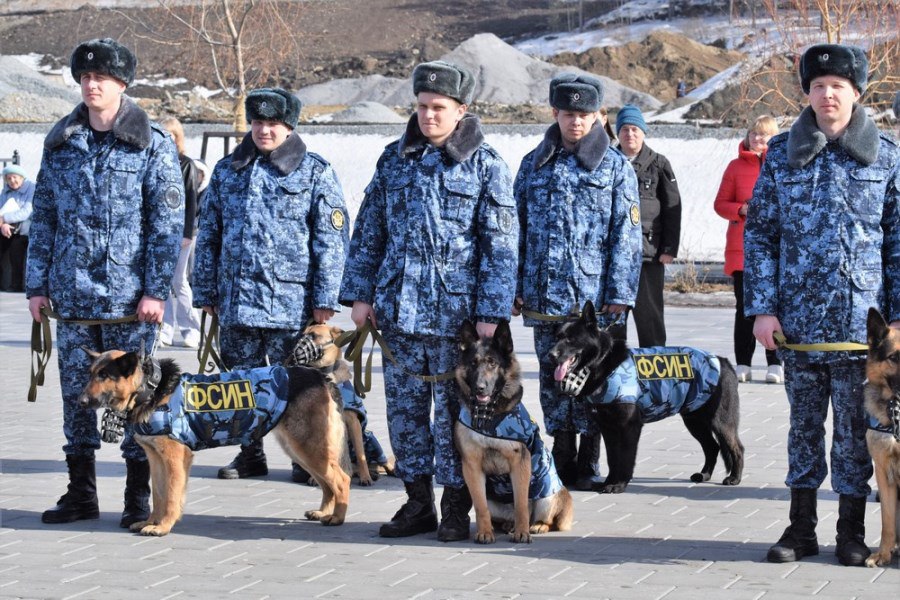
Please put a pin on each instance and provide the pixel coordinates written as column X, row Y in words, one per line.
column 731, row 203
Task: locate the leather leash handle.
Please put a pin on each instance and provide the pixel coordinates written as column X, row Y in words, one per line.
column 819, row 347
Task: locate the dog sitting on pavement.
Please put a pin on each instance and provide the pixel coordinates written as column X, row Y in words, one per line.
column 509, row 472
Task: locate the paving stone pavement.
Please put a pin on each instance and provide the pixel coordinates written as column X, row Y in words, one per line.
column 664, row 538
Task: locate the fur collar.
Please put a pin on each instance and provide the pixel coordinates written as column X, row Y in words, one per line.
column 860, row 140
column 285, row 158
column 131, row 126
column 461, row 145
column 589, row 151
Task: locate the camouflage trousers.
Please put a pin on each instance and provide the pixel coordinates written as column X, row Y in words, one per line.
column 420, row 446
column 251, row 347
column 80, row 424
column 809, row 388
column 561, row 412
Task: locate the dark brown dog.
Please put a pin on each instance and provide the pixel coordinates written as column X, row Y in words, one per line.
column 310, row 431
column 491, row 391
column 882, row 395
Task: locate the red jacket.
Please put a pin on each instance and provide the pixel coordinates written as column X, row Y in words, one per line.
column 736, row 190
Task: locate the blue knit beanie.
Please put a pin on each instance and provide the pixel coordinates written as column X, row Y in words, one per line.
column 630, row 115
column 14, row 170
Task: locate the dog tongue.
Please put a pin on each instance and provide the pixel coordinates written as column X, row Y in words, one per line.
column 483, row 399
column 562, row 369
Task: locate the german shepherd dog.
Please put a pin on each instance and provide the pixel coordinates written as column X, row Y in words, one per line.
column 588, row 355
column 882, row 401
column 310, row 431
column 491, row 392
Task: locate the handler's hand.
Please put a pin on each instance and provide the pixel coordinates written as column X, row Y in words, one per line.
column 614, row 309
column 321, row 315
column 362, row 312
column 763, row 328
column 666, row 259
column 35, row 304
column 150, row 310
column 485, row 329
column 210, row 310
column 517, row 306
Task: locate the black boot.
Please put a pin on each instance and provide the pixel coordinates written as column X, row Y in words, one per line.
column 588, row 463
column 851, row 548
column 301, row 475
column 564, row 455
column 250, row 462
column 80, row 500
column 455, row 506
column 799, row 539
column 417, row 515
column 137, row 492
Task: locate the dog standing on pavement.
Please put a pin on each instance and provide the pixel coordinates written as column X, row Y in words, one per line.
column 175, row 415
column 509, row 472
column 882, row 401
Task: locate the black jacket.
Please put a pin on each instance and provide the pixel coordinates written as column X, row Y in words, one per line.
column 660, row 203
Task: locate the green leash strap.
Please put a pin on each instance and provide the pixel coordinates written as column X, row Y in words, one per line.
column 819, row 347
column 530, row 314
column 208, row 353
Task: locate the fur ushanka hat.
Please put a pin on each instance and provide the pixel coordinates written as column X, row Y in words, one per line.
column 106, row 56
column 446, row 79
column 849, row 62
column 579, row 93
column 273, row 104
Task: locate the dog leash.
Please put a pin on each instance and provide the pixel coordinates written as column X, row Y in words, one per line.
column 42, row 343
column 207, row 352
column 782, row 342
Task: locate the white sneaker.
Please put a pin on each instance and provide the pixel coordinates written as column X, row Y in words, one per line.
column 775, row 374
column 743, row 373
column 191, row 338
column 165, row 335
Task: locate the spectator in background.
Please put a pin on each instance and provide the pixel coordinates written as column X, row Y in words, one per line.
column 15, row 220
column 731, row 203
column 660, row 223
column 179, row 310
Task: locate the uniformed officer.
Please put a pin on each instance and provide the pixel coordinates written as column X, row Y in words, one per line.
column 435, row 242
column 822, row 245
column 271, row 246
column 581, row 240
column 108, row 205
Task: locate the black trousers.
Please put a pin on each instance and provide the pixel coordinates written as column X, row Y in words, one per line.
column 649, row 319
column 744, row 342
column 17, row 247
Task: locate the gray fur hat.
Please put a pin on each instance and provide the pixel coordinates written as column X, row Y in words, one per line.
column 849, row 62
column 580, row 93
column 446, row 79
column 273, row 104
column 106, row 56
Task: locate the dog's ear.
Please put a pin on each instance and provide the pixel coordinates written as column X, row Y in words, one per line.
column 503, row 338
column 588, row 314
column 468, row 335
column 877, row 328
column 91, row 353
column 128, row 363
column 336, row 332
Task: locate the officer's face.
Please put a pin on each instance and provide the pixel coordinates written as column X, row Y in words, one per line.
column 832, row 98
column 14, row 181
column 268, row 135
column 574, row 125
column 631, row 138
column 101, row 92
column 438, row 116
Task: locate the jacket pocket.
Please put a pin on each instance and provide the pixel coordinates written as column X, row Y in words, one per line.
column 867, row 191
column 461, row 194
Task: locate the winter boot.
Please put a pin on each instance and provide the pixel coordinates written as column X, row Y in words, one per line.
column 250, row 462
column 417, row 515
column 851, row 549
column 80, row 500
column 799, row 539
column 588, row 462
column 455, row 506
column 137, row 492
column 564, row 455
column 301, row 475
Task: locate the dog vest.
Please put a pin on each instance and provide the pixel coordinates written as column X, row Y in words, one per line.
column 517, row 425
column 224, row 409
column 661, row 381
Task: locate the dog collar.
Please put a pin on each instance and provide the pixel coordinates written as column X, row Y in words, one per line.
column 574, row 381
column 152, row 374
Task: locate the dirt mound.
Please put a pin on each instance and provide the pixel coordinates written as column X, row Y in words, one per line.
column 656, row 64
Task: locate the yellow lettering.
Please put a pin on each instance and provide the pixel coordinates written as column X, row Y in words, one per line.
column 214, row 396
column 219, row 396
column 664, row 366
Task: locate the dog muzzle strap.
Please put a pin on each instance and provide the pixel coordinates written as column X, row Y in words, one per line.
column 894, row 415
column 112, row 426
column 574, row 381
column 306, row 351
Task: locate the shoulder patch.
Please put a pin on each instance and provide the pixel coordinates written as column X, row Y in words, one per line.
column 173, row 196
column 634, row 213
column 337, row 219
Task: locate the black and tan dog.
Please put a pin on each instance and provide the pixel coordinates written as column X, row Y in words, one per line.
column 882, row 401
column 157, row 400
column 510, row 474
column 627, row 388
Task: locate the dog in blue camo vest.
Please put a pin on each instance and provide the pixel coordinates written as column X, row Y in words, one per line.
column 174, row 414
column 626, row 388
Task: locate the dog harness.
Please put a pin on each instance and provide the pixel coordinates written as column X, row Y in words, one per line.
column 893, row 413
column 225, row 409
column 517, row 425
column 661, row 381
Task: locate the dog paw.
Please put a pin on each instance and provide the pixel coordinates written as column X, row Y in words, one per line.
column 155, row 530
column 314, row 515
column 731, row 480
column 539, row 528
column 135, row 527
column 878, row 559
column 484, row 537
column 366, row 482
column 700, row 477
column 520, row 537
column 331, row 520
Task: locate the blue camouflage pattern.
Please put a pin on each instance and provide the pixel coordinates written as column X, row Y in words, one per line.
column 809, row 387
column 224, row 409
column 271, row 246
column 435, row 241
column 106, row 226
column 661, row 381
column 581, row 232
column 562, row 413
column 517, row 425
column 371, row 446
